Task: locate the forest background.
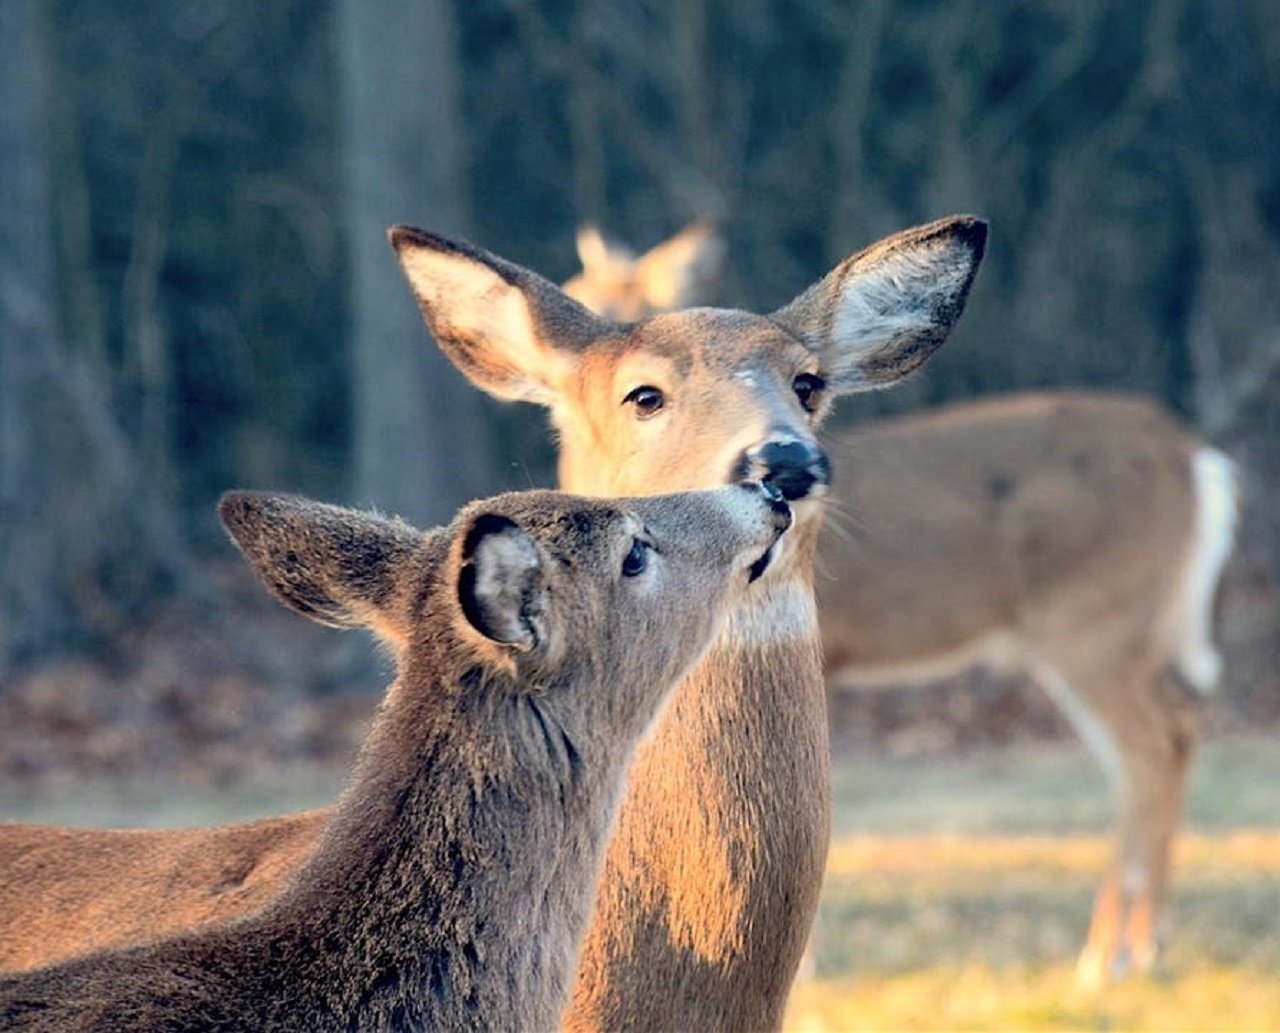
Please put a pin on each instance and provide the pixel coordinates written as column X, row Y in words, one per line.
column 196, row 292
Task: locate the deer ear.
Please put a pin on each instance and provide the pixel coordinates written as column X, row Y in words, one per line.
column 514, row 334
column 683, row 270
column 881, row 313
column 501, row 583
column 592, row 250
column 337, row 566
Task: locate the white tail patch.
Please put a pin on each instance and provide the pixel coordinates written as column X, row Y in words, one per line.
column 1191, row 625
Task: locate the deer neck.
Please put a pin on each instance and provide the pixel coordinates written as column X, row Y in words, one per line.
column 712, row 877
column 460, row 863
column 779, row 610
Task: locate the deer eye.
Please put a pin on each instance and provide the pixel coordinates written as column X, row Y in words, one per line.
column 637, row 559
column 807, row 387
column 647, row 400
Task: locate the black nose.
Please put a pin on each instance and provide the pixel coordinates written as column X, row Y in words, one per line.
column 791, row 466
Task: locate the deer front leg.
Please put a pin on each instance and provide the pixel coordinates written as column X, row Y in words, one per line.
column 1165, row 784
column 1156, row 757
column 1093, row 968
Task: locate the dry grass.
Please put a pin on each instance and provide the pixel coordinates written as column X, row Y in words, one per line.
column 958, row 889
column 976, row 997
column 960, row 912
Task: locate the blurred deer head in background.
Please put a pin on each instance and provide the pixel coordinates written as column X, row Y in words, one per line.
column 677, row 273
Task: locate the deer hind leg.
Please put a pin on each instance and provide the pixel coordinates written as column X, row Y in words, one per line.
column 1154, row 728
column 1102, row 945
column 1154, row 807
column 1102, row 948
column 1160, row 721
column 1163, row 720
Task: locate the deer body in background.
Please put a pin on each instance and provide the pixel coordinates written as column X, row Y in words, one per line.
column 1076, row 538
column 535, row 639
column 65, row 891
column 712, row 881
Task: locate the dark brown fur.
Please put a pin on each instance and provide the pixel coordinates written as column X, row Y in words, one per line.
column 453, row 884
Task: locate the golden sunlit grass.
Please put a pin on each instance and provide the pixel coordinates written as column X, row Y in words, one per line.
column 1233, row 853
column 959, row 889
column 1209, row 998
column 964, row 929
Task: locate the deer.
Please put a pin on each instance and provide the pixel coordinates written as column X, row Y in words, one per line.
column 617, row 283
column 959, row 517
column 703, row 912
column 63, row 889
column 535, row 639
column 711, row 880
column 1076, row 538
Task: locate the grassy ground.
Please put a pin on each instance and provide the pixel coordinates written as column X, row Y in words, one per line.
column 161, row 804
column 958, row 889
column 958, row 892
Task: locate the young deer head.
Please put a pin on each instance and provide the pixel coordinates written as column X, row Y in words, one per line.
column 677, row 273
column 703, row 910
column 535, row 639
column 556, row 591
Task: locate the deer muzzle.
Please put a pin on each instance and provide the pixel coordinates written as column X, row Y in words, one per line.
column 795, row 468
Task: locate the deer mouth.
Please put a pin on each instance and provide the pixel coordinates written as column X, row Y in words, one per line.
column 758, row 568
column 782, row 514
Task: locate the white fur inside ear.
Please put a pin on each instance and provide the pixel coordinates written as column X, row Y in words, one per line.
column 469, row 301
column 502, row 558
column 506, row 566
column 898, row 295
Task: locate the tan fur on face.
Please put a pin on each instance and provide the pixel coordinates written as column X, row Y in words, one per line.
column 726, row 376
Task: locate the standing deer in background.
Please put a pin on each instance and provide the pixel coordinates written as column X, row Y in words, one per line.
column 712, row 879
column 535, row 639
column 1075, row 538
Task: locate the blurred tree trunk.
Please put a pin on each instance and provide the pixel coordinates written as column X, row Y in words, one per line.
column 419, row 428
column 83, row 542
